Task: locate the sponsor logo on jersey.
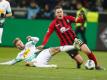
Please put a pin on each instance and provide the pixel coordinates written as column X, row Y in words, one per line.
column 63, row 29
column 26, row 53
column 57, row 24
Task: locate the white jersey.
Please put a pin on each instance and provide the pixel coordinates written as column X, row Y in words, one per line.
column 29, row 51
column 4, row 8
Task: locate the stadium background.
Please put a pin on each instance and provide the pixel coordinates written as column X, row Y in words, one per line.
column 21, row 26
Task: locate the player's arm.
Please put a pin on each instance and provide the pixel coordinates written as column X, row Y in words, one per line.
column 33, row 39
column 80, row 19
column 49, row 32
column 14, row 61
column 8, row 10
column 47, row 36
column 83, row 14
column 11, row 62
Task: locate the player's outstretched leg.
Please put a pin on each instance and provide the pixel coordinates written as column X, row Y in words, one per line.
column 73, row 53
column 90, row 55
column 88, row 52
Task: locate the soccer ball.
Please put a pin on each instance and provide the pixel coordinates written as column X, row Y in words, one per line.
column 90, row 65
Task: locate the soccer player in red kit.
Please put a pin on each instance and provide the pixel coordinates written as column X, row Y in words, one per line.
column 62, row 26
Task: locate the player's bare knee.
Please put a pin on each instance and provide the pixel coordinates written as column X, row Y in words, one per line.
column 79, row 58
column 54, row 50
column 85, row 48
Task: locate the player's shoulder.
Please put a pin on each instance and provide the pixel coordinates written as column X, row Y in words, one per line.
column 6, row 2
column 53, row 22
column 28, row 43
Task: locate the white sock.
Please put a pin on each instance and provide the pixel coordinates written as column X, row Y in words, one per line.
column 1, row 32
column 66, row 48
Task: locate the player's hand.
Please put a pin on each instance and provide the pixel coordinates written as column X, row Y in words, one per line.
column 40, row 47
column 28, row 38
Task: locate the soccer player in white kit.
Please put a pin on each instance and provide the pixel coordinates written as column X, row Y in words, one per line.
column 29, row 53
column 5, row 11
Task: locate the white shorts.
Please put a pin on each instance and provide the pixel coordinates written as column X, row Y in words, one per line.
column 43, row 57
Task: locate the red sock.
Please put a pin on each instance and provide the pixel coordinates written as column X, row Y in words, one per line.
column 92, row 57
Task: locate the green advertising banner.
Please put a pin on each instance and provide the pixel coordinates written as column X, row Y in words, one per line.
column 22, row 28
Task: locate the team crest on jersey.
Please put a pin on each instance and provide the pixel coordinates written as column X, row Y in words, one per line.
column 63, row 29
column 68, row 21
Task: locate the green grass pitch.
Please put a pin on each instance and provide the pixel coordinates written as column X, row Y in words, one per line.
column 66, row 70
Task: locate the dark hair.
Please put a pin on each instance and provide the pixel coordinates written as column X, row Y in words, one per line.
column 58, row 7
column 16, row 40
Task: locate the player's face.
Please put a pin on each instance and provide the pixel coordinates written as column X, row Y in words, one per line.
column 20, row 45
column 59, row 13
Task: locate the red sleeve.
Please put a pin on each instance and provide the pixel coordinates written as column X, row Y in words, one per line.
column 49, row 32
column 79, row 20
column 71, row 18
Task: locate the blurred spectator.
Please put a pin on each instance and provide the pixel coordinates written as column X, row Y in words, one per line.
column 33, row 10
column 92, row 5
column 47, row 6
column 47, row 13
column 104, row 3
column 12, row 3
column 50, row 3
column 64, row 3
column 73, row 5
column 81, row 27
column 99, row 6
column 23, row 4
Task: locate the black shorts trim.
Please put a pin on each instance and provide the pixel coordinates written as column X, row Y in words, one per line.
column 72, row 53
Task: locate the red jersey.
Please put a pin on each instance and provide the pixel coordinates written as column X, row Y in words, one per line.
column 63, row 29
